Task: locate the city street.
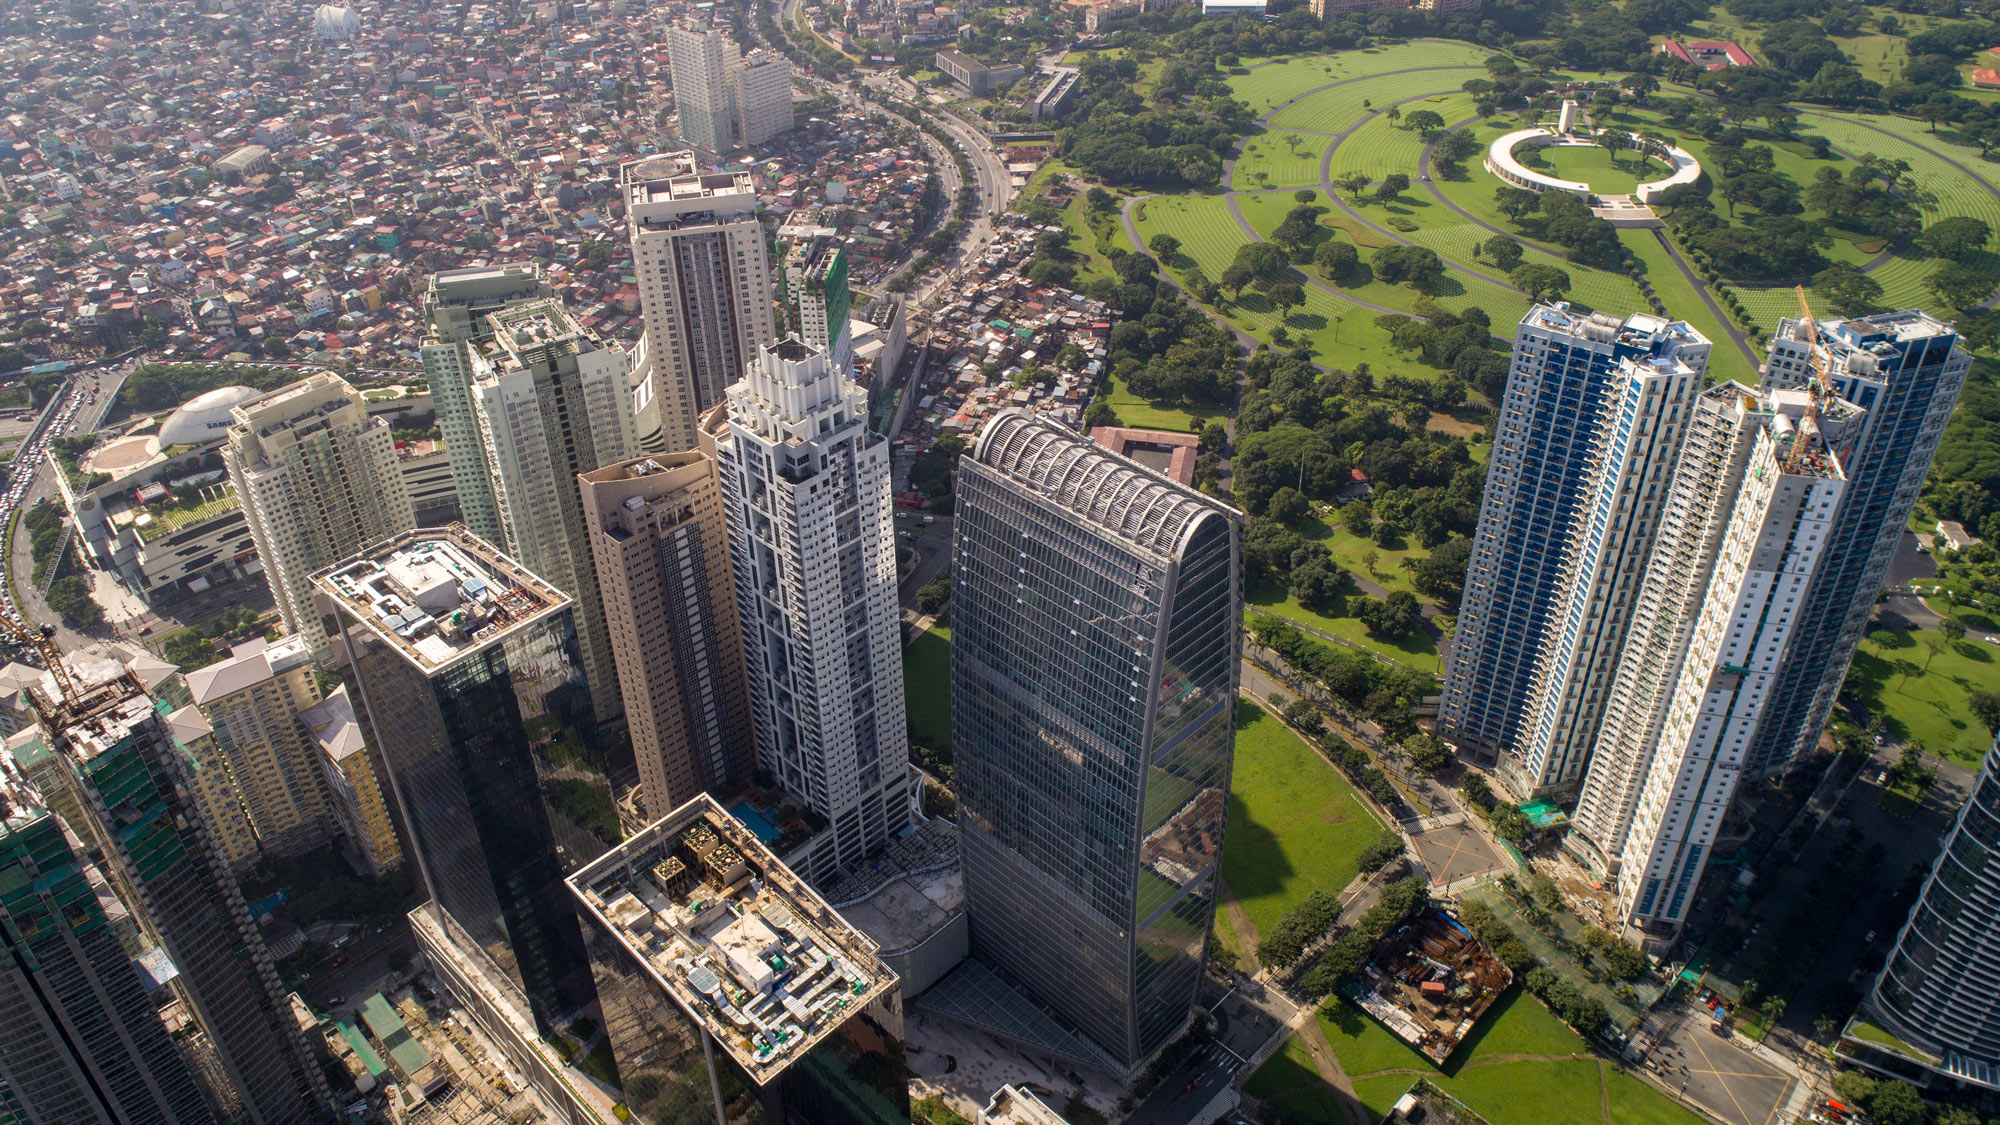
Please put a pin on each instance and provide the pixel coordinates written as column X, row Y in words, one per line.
column 1246, row 1017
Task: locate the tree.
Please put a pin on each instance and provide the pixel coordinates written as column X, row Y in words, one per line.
column 1354, row 183
column 1235, row 278
column 1954, row 237
column 1540, row 281
column 1287, row 295
column 1394, row 616
column 1382, row 851
column 1516, row 203
column 1427, row 752
column 1961, row 287
column 1336, row 259
column 932, row 599
column 1847, row 290
column 1953, row 629
column 1393, row 185
column 1318, row 584
column 1454, row 147
column 1164, row 246
column 1306, row 195
column 1504, row 251
column 1612, row 142
column 1418, row 265
column 1394, row 113
column 1985, row 706
column 1640, row 84
column 1288, row 505
column 1425, row 122
column 1897, row 1103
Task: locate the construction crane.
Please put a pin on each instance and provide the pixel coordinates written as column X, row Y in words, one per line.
column 1819, row 390
column 42, row 640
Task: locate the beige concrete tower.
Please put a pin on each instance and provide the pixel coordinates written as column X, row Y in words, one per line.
column 318, row 480
column 704, row 290
column 251, row 702
column 352, row 780
column 662, row 554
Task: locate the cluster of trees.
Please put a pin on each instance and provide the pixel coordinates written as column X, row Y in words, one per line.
column 1117, row 138
column 1581, row 1011
column 1895, row 1102
column 1400, row 901
column 1964, row 483
column 1385, row 849
column 1459, row 342
column 1301, row 926
column 933, row 470
column 69, row 595
column 163, row 386
column 1504, row 818
column 1562, row 218
column 1380, row 692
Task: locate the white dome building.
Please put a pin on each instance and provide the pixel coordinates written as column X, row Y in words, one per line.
column 202, row 418
column 335, row 22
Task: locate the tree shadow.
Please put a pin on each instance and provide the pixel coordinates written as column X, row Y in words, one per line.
column 1310, row 322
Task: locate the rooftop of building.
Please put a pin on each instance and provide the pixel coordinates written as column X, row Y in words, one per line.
column 531, row 328
column 739, row 942
column 248, row 664
column 20, row 804
column 334, row 727
column 676, row 176
column 1018, row 1105
column 1115, row 493
column 438, row 594
column 1169, row 454
column 103, row 716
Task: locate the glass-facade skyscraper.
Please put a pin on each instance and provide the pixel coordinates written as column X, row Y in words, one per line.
column 1936, row 996
column 84, row 1044
column 469, row 674
column 1096, row 635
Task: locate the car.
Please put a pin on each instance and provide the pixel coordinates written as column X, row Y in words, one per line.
column 902, row 515
column 335, row 1001
column 1923, row 550
column 902, row 535
column 928, row 520
column 1870, row 937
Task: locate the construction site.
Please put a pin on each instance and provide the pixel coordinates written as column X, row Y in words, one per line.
column 1429, row 983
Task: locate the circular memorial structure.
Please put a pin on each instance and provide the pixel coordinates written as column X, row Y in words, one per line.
column 1501, row 162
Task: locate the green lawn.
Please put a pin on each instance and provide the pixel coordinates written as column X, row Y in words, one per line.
column 1536, row 1091
column 1295, row 824
column 927, row 686
column 1415, row 651
column 1156, row 414
column 1928, row 705
column 1606, row 174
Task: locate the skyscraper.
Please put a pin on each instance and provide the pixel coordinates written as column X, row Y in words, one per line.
column 129, row 781
column 763, row 81
column 806, row 491
column 1589, row 428
column 552, row 401
column 1764, row 565
column 1905, row 369
column 473, row 690
column 1096, row 634
column 702, row 58
column 704, row 290
column 1934, row 996
column 816, row 287
column 455, row 309
column 251, row 702
column 662, row 554
column 84, row 1044
column 318, row 479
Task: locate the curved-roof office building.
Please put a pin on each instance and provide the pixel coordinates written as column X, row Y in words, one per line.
column 1094, row 662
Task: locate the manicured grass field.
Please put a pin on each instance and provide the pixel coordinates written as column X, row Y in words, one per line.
column 1685, row 303
column 1274, row 83
column 1929, row 705
column 1606, row 175
column 1414, row 651
column 927, row 686
column 1153, row 414
column 1340, row 108
column 1209, row 237
column 1272, row 161
column 1295, row 824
